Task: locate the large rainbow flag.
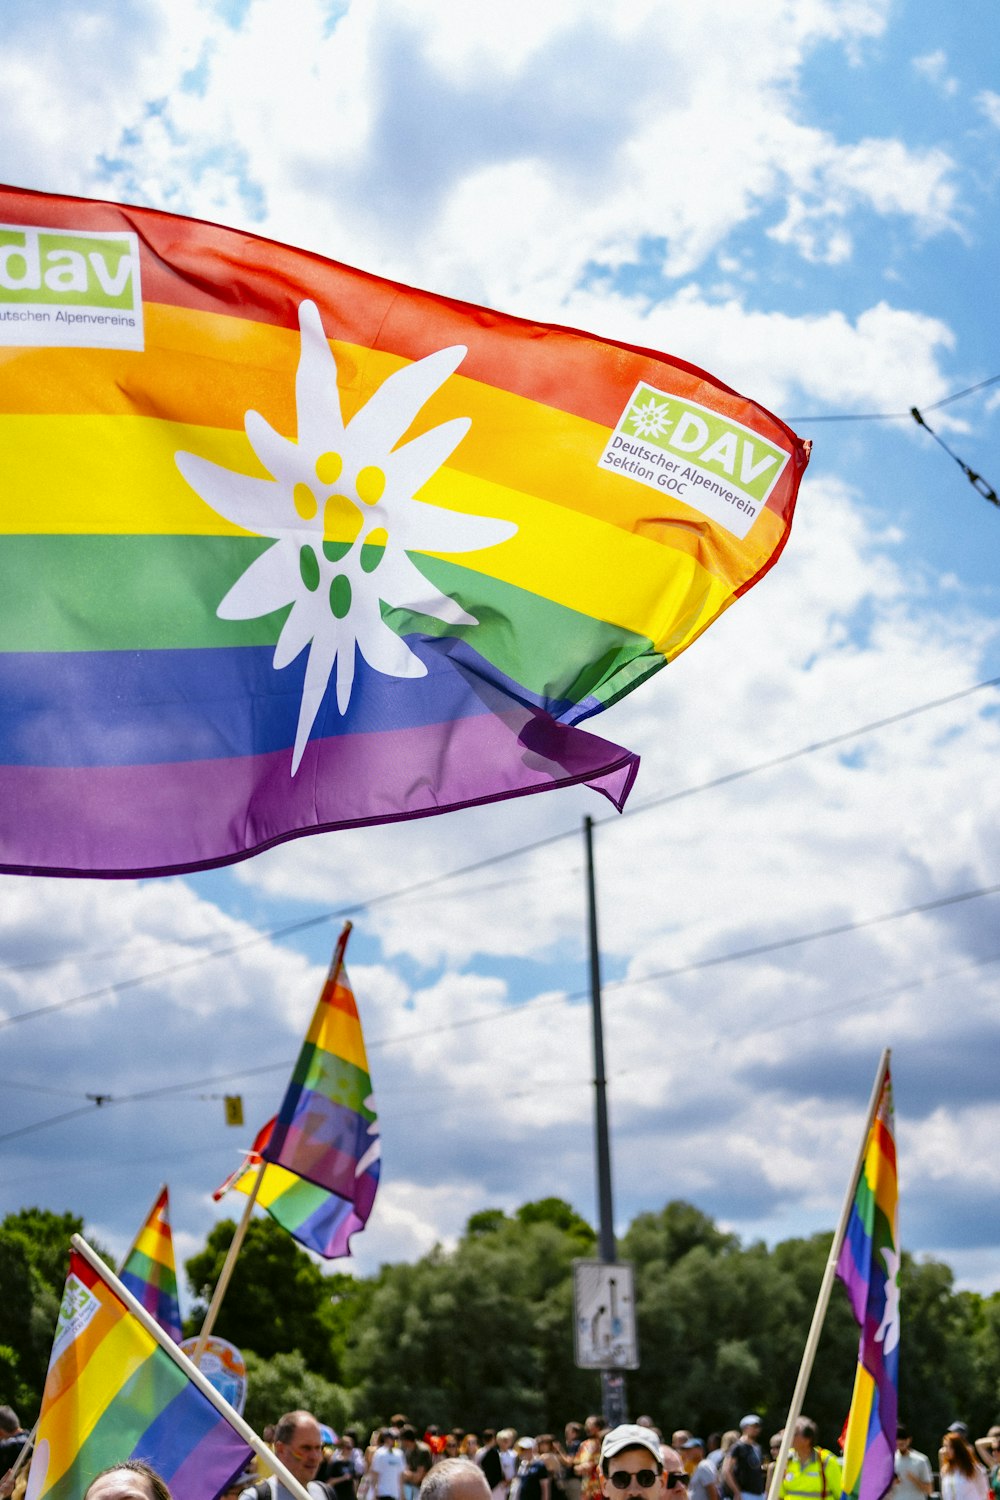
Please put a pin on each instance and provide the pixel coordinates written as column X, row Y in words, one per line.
column 868, row 1266
column 290, row 547
column 113, row 1392
column 321, row 1152
column 149, row 1270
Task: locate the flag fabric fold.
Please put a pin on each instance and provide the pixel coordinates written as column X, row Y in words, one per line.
column 321, row 1154
column 113, row 1392
column 868, row 1267
column 317, row 1219
column 149, row 1270
column 288, row 547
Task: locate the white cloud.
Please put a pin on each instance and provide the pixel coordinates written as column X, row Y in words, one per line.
column 988, row 103
column 537, row 157
column 934, row 67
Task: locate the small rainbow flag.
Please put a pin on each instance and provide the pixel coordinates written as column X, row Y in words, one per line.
column 288, row 547
column 113, row 1392
column 321, row 1153
column 149, row 1270
column 317, row 1219
column 868, row 1266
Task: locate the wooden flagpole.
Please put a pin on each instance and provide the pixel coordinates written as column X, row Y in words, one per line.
column 336, row 964
column 128, row 1252
column 826, row 1287
column 190, row 1369
column 23, row 1456
column 228, row 1267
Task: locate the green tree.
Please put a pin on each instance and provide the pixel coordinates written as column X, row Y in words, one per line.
column 285, row 1383
column 277, row 1301
column 483, row 1334
column 45, row 1236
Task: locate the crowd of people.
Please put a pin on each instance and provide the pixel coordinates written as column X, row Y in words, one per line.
column 400, row 1461
column 633, row 1461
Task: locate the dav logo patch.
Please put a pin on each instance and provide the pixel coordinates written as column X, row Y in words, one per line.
column 69, row 287
column 712, row 463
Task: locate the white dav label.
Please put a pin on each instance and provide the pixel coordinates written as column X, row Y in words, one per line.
column 70, row 287
column 712, row 463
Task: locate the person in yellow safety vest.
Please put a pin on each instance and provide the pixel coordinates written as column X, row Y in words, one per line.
column 812, row 1473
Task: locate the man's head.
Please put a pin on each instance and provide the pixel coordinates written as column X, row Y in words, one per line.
column 631, row 1465
column 679, row 1438
column 455, row 1479
column 903, row 1439
column 692, row 1453
column 804, row 1437
column 407, row 1438
column 299, row 1445
column 750, row 1427
column 8, row 1421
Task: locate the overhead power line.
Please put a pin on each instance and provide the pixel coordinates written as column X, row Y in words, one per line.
column 897, row 416
column 518, row 1009
column 369, row 903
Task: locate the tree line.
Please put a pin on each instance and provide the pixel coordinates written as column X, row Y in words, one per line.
column 482, row 1335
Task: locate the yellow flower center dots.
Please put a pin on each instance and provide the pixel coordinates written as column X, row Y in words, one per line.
column 329, row 467
column 304, row 501
column 370, row 485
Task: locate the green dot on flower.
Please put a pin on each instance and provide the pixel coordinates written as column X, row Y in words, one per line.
column 309, row 568
column 340, row 596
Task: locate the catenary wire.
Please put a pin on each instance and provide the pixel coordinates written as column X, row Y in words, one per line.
column 797, row 940
column 385, row 898
column 897, row 416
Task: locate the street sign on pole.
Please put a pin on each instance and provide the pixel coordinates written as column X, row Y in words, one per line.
column 604, row 1315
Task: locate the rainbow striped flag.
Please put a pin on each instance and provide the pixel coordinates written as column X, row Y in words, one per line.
column 149, row 1270
column 868, row 1266
column 290, row 547
column 317, row 1219
column 113, row 1392
column 321, row 1153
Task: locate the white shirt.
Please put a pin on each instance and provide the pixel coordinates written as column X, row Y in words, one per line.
column 387, row 1466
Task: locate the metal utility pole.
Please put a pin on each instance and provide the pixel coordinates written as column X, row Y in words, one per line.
column 612, row 1381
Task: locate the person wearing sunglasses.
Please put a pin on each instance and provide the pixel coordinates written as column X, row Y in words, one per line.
column 630, row 1464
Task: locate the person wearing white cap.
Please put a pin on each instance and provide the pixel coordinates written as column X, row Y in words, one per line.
column 534, row 1482
column 743, row 1466
column 630, row 1465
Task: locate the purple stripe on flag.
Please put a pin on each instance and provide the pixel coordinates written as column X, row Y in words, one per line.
column 133, row 820
column 192, row 1445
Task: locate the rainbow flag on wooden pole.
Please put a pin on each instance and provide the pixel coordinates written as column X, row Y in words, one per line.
column 149, row 1270
column 118, row 1387
column 289, row 547
column 315, row 1166
column 868, row 1266
column 866, row 1233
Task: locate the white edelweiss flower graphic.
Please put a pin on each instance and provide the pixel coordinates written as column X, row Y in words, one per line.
column 650, row 420
column 341, row 508
column 887, row 1333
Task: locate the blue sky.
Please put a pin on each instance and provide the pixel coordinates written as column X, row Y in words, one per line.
column 800, row 196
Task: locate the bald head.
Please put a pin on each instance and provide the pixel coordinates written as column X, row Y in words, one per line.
column 455, row 1479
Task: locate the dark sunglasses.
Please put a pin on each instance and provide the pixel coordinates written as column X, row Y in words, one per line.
column 645, row 1478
